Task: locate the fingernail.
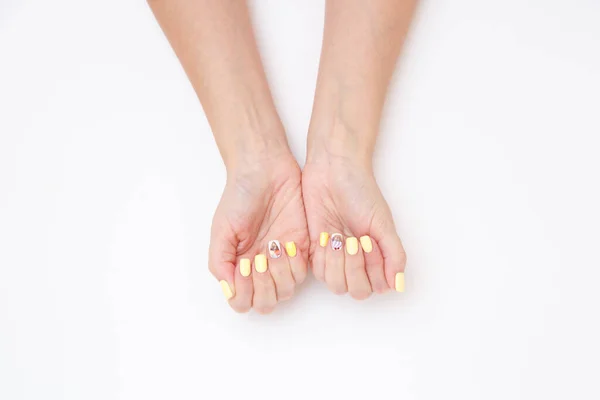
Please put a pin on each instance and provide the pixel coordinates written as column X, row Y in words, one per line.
column 400, row 282
column 245, row 268
column 337, row 241
column 352, row 245
column 323, row 238
column 226, row 289
column 260, row 263
column 290, row 249
column 366, row 244
column 274, row 249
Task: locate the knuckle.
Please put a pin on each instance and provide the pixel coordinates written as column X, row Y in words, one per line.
column 380, row 287
column 285, row 293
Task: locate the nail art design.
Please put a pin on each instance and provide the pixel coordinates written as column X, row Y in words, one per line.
column 274, row 249
column 337, row 241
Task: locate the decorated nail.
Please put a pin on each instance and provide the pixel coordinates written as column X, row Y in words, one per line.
column 337, row 241
column 260, row 263
column 399, row 282
column 245, row 268
column 352, row 245
column 274, row 249
column 226, row 289
column 290, row 249
column 366, row 244
column 323, row 238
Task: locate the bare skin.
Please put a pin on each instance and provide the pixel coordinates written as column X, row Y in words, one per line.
column 361, row 44
column 263, row 198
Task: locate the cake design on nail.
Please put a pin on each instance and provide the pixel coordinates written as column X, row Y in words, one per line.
column 274, row 249
column 337, row 241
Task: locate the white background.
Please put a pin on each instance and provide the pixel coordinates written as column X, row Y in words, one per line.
column 488, row 155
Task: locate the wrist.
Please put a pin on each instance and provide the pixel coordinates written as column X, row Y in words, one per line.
column 336, row 143
column 250, row 148
column 247, row 130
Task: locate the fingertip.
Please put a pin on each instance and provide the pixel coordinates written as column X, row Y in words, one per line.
column 394, row 258
column 260, row 263
column 399, row 282
column 245, row 267
column 366, row 243
column 290, row 249
column 228, row 289
column 360, row 295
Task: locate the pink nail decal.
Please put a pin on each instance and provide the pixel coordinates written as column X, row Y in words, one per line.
column 337, row 241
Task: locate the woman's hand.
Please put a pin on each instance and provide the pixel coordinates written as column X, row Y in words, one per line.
column 342, row 198
column 259, row 240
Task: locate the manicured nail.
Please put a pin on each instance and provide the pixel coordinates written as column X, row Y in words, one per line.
column 274, row 249
column 323, row 238
column 337, row 241
column 260, row 263
column 352, row 245
column 245, row 268
column 226, row 289
column 400, row 282
column 366, row 244
column 290, row 249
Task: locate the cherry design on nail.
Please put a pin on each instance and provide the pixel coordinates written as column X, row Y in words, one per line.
column 336, row 241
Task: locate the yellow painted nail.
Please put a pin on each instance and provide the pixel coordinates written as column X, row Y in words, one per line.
column 226, row 289
column 366, row 244
column 260, row 263
column 400, row 282
column 352, row 245
column 290, row 249
column 323, row 239
column 245, row 268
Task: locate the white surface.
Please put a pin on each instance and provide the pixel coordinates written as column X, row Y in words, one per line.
column 109, row 177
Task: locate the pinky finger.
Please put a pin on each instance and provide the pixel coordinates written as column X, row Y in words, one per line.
column 394, row 259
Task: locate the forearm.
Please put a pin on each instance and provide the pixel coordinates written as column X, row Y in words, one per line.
column 361, row 44
column 214, row 42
